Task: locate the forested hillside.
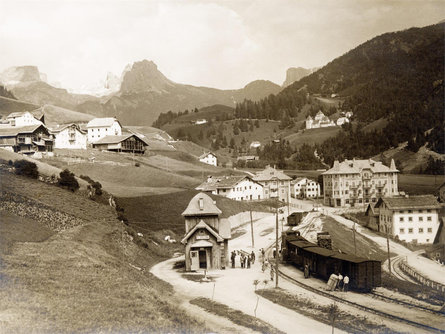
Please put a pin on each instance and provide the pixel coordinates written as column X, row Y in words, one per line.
column 397, row 77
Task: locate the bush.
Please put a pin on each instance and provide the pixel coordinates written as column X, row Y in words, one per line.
column 26, row 168
column 96, row 185
column 68, row 180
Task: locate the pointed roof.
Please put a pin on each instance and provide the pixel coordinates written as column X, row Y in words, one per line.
column 270, row 173
column 117, row 139
column 201, row 224
column 102, row 122
column 202, row 156
column 201, row 205
column 62, row 127
column 356, row 166
column 410, row 202
column 15, row 130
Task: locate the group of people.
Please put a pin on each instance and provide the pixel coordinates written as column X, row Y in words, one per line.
column 246, row 259
column 338, row 282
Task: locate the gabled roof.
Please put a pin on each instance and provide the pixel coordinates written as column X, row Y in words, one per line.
column 201, row 224
column 18, row 114
column 223, row 182
column 102, row 122
column 356, row 166
column 411, row 202
column 208, row 207
column 202, row 156
column 116, row 139
column 62, row 127
column 270, row 173
column 15, row 130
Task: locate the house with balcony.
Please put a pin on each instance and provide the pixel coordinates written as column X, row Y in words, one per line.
column 356, row 183
column 239, row 188
column 69, row 136
column 303, row 187
column 101, row 127
column 410, row 218
column 275, row 184
column 32, row 140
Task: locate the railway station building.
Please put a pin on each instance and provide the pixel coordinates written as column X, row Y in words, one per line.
column 206, row 235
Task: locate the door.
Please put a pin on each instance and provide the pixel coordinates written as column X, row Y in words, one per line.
column 194, row 259
column 202, row 259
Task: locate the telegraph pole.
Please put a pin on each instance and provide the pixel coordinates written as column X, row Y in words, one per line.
column 276, row 246
column 387, row 244
column 355, row 245
column 251, row 226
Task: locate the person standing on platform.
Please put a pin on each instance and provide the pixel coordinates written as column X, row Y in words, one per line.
column 241, row 258
column 233, row 256
column 248, row 261
column 340, row 281
column 271, row 273
column 252, row 257
column 245, row 261
column 345, row 283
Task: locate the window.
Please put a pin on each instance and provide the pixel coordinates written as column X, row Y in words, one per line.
column 429, row 210
column 420, row 219
column 420, row 211
column 428, row 218
column 430, row 229
column 401, row 219
column 410, row 211
column 420, row 230
column 410, row 219
column 410, row 230
column 401, row 211
column 402, row 231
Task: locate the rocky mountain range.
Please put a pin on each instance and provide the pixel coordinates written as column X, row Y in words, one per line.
column 138, row 97
column 294, row 74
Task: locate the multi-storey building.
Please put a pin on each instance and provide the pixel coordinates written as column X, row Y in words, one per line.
column 69, row 136
column 305, row 188
column 411, row 218
column 24, row 118
column 275, row 183
column 359, row 182
column 239, row 188
column 101, row 127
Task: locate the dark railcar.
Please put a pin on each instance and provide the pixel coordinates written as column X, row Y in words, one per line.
column 364, row 274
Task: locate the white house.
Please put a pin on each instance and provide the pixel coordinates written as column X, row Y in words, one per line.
column 240, row 188
column 101, row 127
column 24, row 118
column 319, row 121
column 305, row 188
column 411, row 219
column 70, row 136
column 342, row 120
column 209, row 158
column 200, row 121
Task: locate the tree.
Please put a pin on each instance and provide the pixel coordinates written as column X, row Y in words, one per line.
column 257, row 123
column 26, row 168
column 232, row 143
column 68, row 180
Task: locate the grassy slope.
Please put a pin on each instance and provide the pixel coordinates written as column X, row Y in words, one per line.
column 80, row 280
column 57, row 115
column 312, row 136
column 8, row 106
column 164, row 211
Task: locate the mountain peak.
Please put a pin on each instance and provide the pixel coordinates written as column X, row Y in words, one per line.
column 144, row 76
column 19, row 74
column 294, row 74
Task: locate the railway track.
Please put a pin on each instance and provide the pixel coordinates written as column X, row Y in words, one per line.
column 363, row 307
column 405, row 303
column 397, row 272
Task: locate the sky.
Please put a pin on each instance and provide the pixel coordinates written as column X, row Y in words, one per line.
column 221, row 44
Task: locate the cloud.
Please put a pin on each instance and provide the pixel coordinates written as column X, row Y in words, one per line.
column 222, row 44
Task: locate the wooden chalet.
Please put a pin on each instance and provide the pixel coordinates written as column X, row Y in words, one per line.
column 125, row 143
column 26, row 139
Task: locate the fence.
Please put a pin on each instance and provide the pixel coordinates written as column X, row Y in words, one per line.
column 420, row 278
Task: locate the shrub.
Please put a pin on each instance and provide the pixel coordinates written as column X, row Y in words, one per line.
column 137, row 164
column 96, row 185
column 26, row 168
column 68, row 180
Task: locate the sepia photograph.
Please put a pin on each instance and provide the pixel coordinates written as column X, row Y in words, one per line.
column 222, row 166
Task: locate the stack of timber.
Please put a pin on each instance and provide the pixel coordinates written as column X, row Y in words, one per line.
column 324, row 240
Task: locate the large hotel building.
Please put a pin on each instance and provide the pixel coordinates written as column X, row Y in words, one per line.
column 357, row 183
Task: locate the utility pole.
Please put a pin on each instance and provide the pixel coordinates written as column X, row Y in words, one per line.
column 251, row 227
column 276, row 246
column 355, row 245
column 387, row 244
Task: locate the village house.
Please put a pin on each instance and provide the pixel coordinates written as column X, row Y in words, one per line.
column 209, row 158
column 24, row 118
column 31, row 140
column 255, row 144
column 239, row 188
column 69, row 136
column 303, row 187
column 319, row 121
column 101, row 127
column 199, row 121
column 410, row 218
column 130, row 143
column 275, row 183
column 207, row 236
column 342, row 120
column 354, row 183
